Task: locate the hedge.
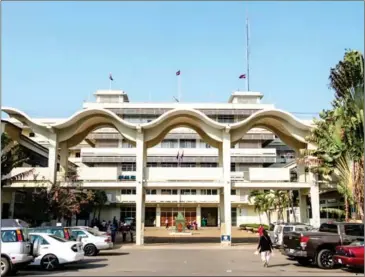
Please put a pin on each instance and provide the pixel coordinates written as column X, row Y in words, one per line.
column 253, row 225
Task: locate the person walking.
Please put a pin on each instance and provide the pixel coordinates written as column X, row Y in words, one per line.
column 265, row 248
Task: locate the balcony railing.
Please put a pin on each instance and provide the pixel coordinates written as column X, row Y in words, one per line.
column 166, row 152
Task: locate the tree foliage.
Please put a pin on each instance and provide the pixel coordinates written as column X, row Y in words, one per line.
column 339, row 133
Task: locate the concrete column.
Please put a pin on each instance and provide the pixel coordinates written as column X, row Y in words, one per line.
column 12, row 205
column 302, row 206
column 314, row 192
column 221, row 210
column 158, row 216
column 198, row 216
column 220, row 156
column 238, row 216
column 64, row 159
column 226, row 145
column 301, row 173
column 141, row 158
column 52, row 159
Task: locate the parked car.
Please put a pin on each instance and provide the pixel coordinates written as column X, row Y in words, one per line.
column 16, row 251
column 91, row 240
column 351, row 255
column 94, row 230
column 280, row 230
column 62, row 232
column 319, row 247
column 52, row 251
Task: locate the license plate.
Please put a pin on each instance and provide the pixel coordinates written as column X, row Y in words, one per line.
column 339, row 261
column 291, row 250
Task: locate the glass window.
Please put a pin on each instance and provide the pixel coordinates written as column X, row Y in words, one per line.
column 354, row 230
column 187, row 143
column 128, row 191
column 151, row 191
column 226, row 118
column 170, row 143
column 325, row 227
column 287, row 229
column 174, row 191
column 76, row 233
column 9, row 236
column 128, row 166
column 233, row 192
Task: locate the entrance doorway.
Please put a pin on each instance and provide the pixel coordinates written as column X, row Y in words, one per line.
column 209, row 217
column 234, row 216
column 170, row 213
column 150, row 217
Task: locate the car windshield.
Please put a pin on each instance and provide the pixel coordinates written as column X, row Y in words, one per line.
column 57, row 238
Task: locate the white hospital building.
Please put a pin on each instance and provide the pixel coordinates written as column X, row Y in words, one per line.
column 157, row 159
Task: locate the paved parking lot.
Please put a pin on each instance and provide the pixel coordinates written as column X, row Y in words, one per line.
column 151, row 261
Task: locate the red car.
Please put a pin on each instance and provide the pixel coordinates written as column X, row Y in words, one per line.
column 351, row 255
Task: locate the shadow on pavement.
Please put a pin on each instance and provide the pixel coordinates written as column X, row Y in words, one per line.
column 279, row 265
column 107, row 253
column 85, row 264
column 192, row 239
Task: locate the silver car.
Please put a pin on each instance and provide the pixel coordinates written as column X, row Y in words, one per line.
column 16, row 250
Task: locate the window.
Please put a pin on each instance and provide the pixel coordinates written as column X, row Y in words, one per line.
column 169, row 143
column 187, row 143
column 40, row 239
column 128, row 167
column 287, row 229
column 233, row 192
column 188, row 191
column 31, row 135
column 233, row 167
column 77, row 233
column 226, row 118
column 77, row 154
column 128, row 191
column 209, row 192
column 151, row 164
column 9, row 236
column 354, row 230
column 169, row 192
column 168, row 164
column 208, row 165
column 151, row 191
column 126, row 144
column 188, row 165
column 331, row 228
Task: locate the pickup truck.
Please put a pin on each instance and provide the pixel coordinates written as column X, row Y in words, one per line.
column 319, row 247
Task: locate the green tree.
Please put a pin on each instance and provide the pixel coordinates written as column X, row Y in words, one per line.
column 339, row 133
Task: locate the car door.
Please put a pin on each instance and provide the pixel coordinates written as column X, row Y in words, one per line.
column 41, row 245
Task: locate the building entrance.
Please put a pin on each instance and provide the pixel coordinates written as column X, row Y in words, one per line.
column 209, row 217
column 170, row 213
column 150, row 217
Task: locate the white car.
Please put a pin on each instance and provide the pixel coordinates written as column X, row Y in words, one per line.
column 51, row 251
column 16, row 251
column 92, row 240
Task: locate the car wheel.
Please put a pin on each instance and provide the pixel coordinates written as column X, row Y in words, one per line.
column 49, row 262
column 90, row 250
column 5, row 266
column 325, row 259
column 304, row 261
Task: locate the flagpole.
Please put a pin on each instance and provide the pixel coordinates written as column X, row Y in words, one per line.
column 179, row 88
column 247, row 55
column 110, row 84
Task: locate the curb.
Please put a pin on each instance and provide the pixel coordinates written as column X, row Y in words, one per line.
column 190, row 247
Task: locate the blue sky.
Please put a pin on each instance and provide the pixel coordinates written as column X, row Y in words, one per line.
column 56, row 54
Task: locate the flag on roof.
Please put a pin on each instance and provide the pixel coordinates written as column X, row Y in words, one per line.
column 243, row 76
column 178, row 73
column 111, row 77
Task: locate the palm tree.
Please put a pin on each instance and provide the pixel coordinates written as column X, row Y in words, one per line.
column 263, row 202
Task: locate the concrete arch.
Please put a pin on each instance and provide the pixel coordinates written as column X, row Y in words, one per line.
column 78, row 125
column 290, row 129
column 208, row 129
column 40, row 128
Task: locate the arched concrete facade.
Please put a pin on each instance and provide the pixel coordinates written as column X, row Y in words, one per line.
column 74, row 129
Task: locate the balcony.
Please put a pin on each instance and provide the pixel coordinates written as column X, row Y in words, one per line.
column 167, row 152
column 187, row 174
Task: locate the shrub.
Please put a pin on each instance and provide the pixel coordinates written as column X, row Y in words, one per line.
column 253, row 226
